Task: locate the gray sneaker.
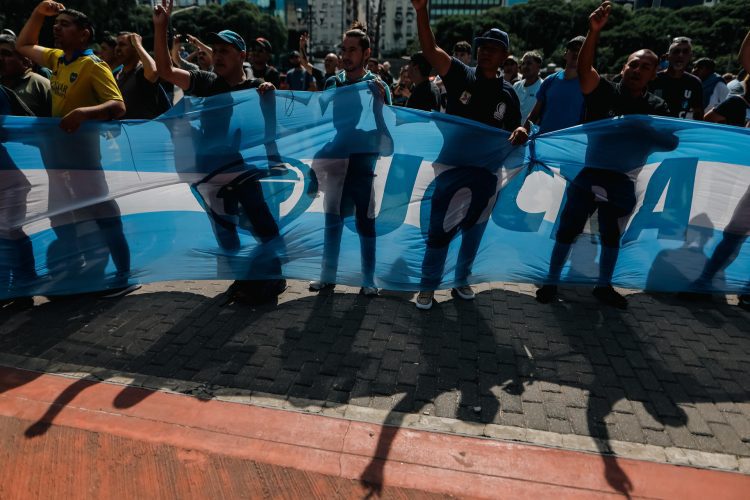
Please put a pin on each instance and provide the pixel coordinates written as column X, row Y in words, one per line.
column 424, row 300
column 369, row 291
column 465, row 292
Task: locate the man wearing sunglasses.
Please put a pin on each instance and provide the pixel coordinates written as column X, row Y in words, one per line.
column 682, row 90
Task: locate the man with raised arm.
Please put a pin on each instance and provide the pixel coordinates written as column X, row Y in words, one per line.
column 83, row 89
column 475, row 93
column 229, row 52
column 609, row 192
column 138, row 80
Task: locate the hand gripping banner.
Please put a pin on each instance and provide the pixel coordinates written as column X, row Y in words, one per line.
column 337, row 187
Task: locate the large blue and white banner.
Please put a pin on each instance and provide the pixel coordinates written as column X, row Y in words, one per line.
column 336, row 186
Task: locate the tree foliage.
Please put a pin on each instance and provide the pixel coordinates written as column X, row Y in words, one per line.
column 129, row 15
column 545, row 25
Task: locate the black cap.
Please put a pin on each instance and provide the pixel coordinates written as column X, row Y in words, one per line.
column 494, row 36
column 262, row 43
column 6, row 38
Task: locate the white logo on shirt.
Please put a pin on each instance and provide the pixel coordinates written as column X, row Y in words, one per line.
column 465, row 97
column 500, row 111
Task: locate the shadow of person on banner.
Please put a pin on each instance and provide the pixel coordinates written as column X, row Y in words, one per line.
column 344, row 172
column 85, row 219
column 17, row 263
column 229, row 188
column 616, row 151
column 469, row 174
column 733, row 237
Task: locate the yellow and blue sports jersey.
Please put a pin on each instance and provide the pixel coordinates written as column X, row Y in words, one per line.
column 84, row 81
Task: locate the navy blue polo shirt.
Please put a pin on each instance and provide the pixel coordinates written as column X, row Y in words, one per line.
column 491, row 101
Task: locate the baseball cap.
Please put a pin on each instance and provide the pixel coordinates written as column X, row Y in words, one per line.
column 262, row 43
column 494, row 36
column 228, row 37
column 6, row 38
column 294, row 53
column 578, row 40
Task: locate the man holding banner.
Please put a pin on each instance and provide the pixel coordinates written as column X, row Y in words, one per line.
column 83, row 89
column 229, row 51
column 477, row 94
column 609, row 191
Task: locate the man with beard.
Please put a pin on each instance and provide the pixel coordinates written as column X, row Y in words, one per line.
column 682, row 90
column 355, row 50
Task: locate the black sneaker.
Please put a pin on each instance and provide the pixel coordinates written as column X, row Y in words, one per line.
column 744, row 301
column 546, row 294
column 609, row 296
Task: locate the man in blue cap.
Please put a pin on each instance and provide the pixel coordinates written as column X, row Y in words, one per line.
column 223, row 199
column 475, row 93
column 229, row 51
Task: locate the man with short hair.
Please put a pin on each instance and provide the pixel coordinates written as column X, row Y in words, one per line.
column 17, row 75
column 83, row 89
column 462, row 52
column 260, row 56
column 330, row 62
column 510, row 70
column 352, row 187
column 682, row 91
column 476, row 93
column 609, row 192
column 559, row 102
column 528, row 86
column 107, row 53
column 229, row 53
column 297, row 77
column 715, row 90
column 138, row 80
column 424, row 93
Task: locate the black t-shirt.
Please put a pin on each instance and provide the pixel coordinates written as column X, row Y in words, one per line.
column 681, row 94
column 269, row 74
column 424, row 96
column 734, row 109
column 143, row 99
column 207, row 84
column 612, row 99
column 491, row 101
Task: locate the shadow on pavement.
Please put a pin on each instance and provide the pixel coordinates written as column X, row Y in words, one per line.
column 572, row 367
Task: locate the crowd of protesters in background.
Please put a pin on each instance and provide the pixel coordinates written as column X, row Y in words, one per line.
column 481, row 81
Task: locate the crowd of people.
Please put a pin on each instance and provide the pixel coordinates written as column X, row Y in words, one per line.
column 126, row 80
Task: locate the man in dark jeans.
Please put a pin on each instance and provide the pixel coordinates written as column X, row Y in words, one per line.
column 610, row 192
column 478, row 94
column 229, row 52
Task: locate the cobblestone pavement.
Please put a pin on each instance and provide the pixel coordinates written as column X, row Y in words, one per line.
column 666, row 374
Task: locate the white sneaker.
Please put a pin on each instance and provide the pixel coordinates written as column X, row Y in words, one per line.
column 316, row 286
column 465, row 292
column 369, row 291
column 424, row 300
